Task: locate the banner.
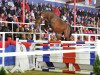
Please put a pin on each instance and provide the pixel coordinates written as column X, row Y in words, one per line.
column 93, row 2
column 86, row 2
column 89, row 2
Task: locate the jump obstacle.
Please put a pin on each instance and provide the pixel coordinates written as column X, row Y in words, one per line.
column 56, row 56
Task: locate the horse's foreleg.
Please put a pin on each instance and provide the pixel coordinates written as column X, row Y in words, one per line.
column 58, row 36
column 67, row 35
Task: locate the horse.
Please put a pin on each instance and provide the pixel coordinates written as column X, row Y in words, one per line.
column 56, row 23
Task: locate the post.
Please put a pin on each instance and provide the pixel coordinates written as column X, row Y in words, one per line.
column 3, row 57
column 3, row 46
column 74, row 15
column 23, row 11
column 98, row 47
column 12, row 29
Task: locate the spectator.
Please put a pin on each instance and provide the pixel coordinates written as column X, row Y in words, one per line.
column 17, row 3
column 40, row 7
column 12, row 11
column 0, row 2
column 5, row 28
column 32, row 15
column 32, row 6
column 0, row 37
column 27, row 6
column 10, row 19
column 15, row 25
column 10, row 3
column 4, row 10
column 3, row 17
column 1, row 24
column 57, row 11
column 64, row 17
column 48, row 7
column 45, row 7
column 64, row 10
column 36, row 10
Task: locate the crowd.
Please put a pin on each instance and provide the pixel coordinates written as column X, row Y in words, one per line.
column 12, row 11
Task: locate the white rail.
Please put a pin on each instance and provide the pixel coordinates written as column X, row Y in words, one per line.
column 45, row 52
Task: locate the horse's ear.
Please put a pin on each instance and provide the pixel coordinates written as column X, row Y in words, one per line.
column 37, row 15
column 40, row 13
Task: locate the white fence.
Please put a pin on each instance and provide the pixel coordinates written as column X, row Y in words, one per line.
column 20, row 54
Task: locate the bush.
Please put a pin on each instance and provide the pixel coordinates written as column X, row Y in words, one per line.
column 96, row 66
column 2, row 71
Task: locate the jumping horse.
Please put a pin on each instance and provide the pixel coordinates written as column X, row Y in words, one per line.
column 57, row 25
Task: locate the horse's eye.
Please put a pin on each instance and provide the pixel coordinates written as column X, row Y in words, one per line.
column 42, row 17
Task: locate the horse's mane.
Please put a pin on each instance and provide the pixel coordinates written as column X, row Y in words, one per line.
column 50, row 12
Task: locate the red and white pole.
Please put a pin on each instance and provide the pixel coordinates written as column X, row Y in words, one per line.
column 74, row 15
column 23, row 11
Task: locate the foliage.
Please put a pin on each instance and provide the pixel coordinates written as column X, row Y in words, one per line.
column 2, row 71
column 96, row 66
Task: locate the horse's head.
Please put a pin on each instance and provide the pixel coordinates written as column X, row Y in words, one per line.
column 43, row 15
column 46, row 15
column 40, row 17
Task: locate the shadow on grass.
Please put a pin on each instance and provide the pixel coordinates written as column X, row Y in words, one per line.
column 40, row 73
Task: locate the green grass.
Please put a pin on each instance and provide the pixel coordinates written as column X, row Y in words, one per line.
column 40, row 73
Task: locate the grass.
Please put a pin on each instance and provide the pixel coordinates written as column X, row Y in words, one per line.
column 40, row 73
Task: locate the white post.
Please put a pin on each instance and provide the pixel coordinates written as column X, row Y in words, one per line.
column 98, row 48
column 75, row 36
column 89, row 38
column 12, row 29
column 17, row 61
column 3, row 57
column 40, row 33
column 71, row 68
column 3, row 45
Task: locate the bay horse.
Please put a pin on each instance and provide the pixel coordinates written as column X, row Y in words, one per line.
column 57, row 25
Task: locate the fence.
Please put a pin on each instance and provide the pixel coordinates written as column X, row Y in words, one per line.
column 44, row 54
